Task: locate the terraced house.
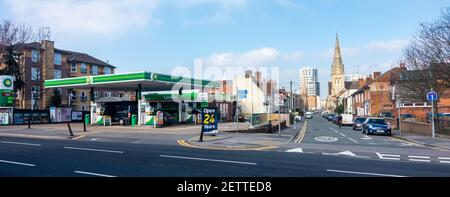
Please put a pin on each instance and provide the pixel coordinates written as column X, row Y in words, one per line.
column 41, row 61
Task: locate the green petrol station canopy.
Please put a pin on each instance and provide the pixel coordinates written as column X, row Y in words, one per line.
column 129, row 81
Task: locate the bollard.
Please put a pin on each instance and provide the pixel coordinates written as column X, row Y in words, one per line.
column 84, row 126
column 29, row 121
column 70, row 129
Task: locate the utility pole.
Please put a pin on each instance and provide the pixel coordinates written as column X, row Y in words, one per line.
column 292, row 99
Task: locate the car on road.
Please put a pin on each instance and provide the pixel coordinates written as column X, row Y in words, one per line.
column 308, row 115
column 358, row 123
column 169, row 119
column 330, row 117
column 347, row 119
column 408, row 117
column 298, row 118
column 376, row 126
column 386, row 115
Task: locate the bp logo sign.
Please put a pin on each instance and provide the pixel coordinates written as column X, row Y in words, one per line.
column 6, row 82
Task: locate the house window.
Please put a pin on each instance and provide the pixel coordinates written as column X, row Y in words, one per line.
column 95, row 95
column 106, row 94
column 57, row 74
column 83, row 108
column 83, row 96
column 35, row 74
column 73, row 95
column 57, row 60
column 107, row 70
column 35, row 92
column 35, row 56
column 94, row 70
column 121, row 95
column 83, row 68
column 73, row 68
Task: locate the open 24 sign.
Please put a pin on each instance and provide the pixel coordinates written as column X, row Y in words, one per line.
column 209, row 120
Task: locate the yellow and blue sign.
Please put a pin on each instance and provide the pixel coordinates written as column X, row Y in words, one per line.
column 210, row 122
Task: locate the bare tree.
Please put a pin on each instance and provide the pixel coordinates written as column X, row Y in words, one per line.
column 428, row 60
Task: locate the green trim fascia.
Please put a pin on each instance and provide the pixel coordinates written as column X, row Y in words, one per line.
column 66, row 81
column 121, row 77
column 179, row 79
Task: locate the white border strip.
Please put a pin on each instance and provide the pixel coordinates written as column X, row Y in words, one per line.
column 364, row 173
column 92, row 149
column 204, row 159
column 93, row 174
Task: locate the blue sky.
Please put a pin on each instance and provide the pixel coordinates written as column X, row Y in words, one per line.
column 160, row 35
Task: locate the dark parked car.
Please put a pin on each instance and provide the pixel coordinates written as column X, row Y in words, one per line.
column 330, row 117
column 376, row 126
column 386, row 115
column 358, row 123
column 169, row 119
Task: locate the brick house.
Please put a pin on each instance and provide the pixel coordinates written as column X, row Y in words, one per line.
column 375, row 96
column 42, row 61
column 411, row 103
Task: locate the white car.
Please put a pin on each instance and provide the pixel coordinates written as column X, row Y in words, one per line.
column 309, row 115
column 298, row 118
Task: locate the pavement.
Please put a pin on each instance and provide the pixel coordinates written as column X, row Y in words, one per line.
column 439, row 142
column 244, row 141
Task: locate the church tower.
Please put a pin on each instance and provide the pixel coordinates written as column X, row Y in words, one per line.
column 337, row 70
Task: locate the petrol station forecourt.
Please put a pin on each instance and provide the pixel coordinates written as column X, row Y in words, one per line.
column 181, row 90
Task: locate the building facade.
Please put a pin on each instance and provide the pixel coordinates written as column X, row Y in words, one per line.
column 310, row 87
column 42, row 61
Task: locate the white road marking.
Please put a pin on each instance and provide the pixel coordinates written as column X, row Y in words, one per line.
column 345, row 136
column 92, row 149
column 334, row 154
column 204, row 159
column 295, row 150
column 444, row 158
column 420, row 160
column 372, row 143
column 17, row 163
column 94, row 139
column 418, row 157
column 364, row 173
column 93, row 174
column 388, row 156
column 444, row 161
column 347, row 153
column 20, row 143
column 353, row 140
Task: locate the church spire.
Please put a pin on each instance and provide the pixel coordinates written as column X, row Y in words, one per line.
column 337, row 67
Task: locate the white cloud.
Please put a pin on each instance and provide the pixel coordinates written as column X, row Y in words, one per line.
column 84, row 17
column 256, row 57
column 224, row 4
column 294, row 57
column 220, row 12
column 387, row 46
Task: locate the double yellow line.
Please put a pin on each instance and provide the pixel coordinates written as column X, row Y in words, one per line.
column 302, row 133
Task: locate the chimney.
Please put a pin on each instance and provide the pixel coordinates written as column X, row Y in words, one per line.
column 258, row 78
column 376, row 75
column 402, row 65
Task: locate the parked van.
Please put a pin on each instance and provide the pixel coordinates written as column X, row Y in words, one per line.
column 347, row 119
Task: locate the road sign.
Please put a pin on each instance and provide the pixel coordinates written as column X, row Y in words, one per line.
column 279, row 99
column 210, row 121
column 432, row 96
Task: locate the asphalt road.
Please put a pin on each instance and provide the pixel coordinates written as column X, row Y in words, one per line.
column 35, row 157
